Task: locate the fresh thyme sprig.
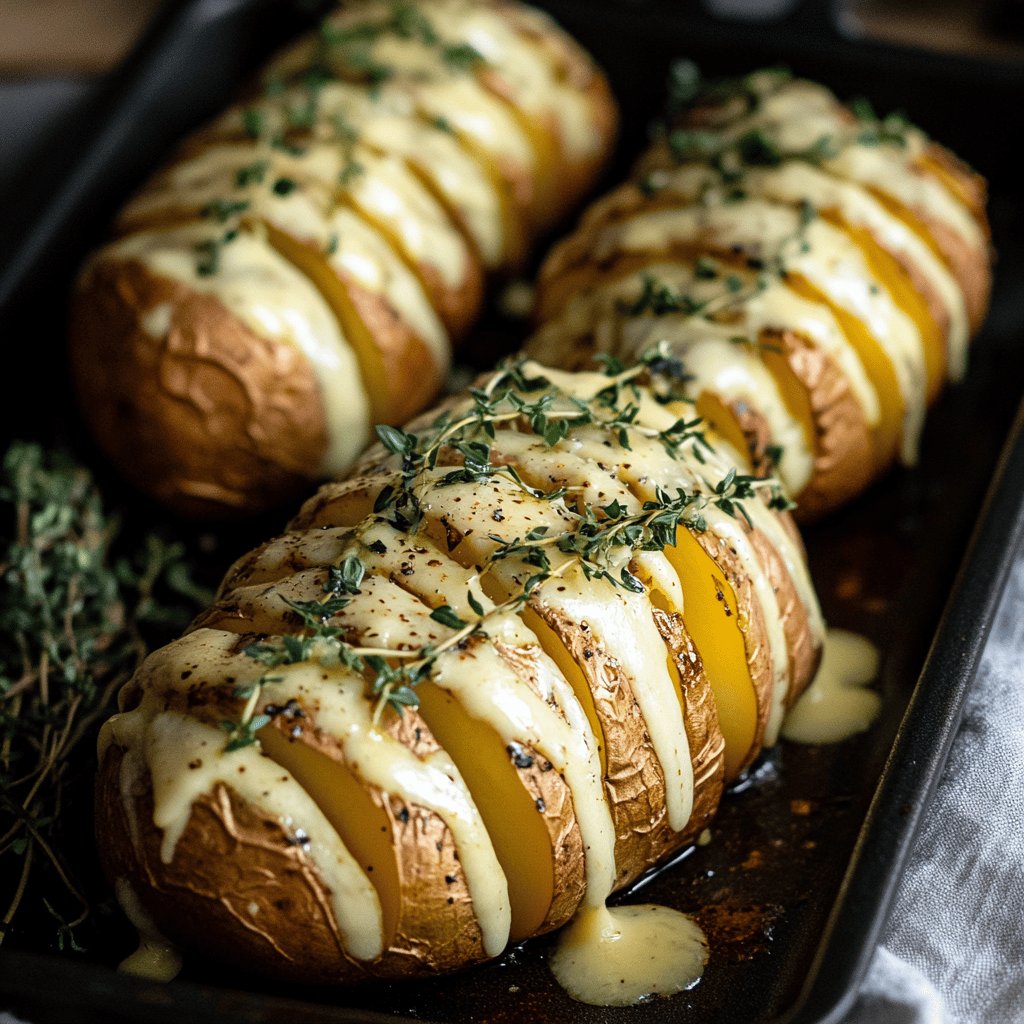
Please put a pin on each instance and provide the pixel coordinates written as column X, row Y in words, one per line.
column 350, row 47
column 71, row 621
column 759, row 146
column 594, row 536
column 598, row 541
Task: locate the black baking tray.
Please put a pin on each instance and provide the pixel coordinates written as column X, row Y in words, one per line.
column 807, row 852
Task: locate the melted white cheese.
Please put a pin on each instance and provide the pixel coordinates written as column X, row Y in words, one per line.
column 490, row 691
column 626, row 955
column 276, row 302
column 837, row 704
column 800, row 113
column 157, row 958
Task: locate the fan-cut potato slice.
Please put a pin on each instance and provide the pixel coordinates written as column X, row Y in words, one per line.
column 703, row 732
column 889, row 430
column 355, row 810
column 407, row 851
column 969, row 267
column 724, row 420
column 400, row 370
column 514, row 814
column 714, row 615
column 904, row 293
column 817, row 392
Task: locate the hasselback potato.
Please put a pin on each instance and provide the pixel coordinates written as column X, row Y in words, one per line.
column 300, row 268
column 818, row 270
column 477, row 686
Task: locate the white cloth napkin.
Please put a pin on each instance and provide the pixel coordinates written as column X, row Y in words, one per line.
column 954, row 949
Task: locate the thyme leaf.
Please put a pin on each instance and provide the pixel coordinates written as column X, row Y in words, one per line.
column 77, row 608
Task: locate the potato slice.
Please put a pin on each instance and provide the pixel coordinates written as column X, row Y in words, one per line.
column 509, row 784
column 271, row 877
column 735, row 668
column 543, row 766
column 401, row 370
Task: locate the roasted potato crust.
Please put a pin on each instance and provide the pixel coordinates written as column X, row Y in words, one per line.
column 489, row 158
column 207, row 417
column 537, row 762
column 843, row 449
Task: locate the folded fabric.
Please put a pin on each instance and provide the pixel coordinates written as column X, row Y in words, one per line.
column 954, row 949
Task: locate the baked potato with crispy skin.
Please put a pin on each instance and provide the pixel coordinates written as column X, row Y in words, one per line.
column 491, row 677
column 818, row 270
column 301, row 268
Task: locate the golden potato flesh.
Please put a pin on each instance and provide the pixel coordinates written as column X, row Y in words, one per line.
column 771, row 211
column 575, row 689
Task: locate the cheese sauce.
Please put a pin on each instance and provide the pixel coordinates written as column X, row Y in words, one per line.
column 837, row 704
column 620, row 956
column 343, row 711
column 157, row 958
column 390, row 126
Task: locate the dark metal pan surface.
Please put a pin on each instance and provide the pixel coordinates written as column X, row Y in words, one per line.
column 794, row 888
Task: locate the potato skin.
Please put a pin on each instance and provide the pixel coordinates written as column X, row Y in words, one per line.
column 411, row 372
column 668, row 178
column 436, row 928
column 634, row 780
column 210, row 417
column 244, row 427
column 707, row 746
column 843, row 449
column 235, row 857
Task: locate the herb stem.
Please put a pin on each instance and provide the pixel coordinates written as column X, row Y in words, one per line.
column 19, row 893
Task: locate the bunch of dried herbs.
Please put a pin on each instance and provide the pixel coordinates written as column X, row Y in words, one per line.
column 78, row 603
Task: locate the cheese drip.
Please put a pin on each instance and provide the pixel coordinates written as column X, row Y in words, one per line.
column 620, row 956
column 548, row 717
column 837, row 704
column 621, row 621
column 157, row 958
column 435, row 784
column 652, row 467
column 275, row 301
column 389, row 126
column 796, row 183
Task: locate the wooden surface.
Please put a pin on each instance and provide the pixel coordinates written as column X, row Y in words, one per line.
column 68, row 37
column 51, row 38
